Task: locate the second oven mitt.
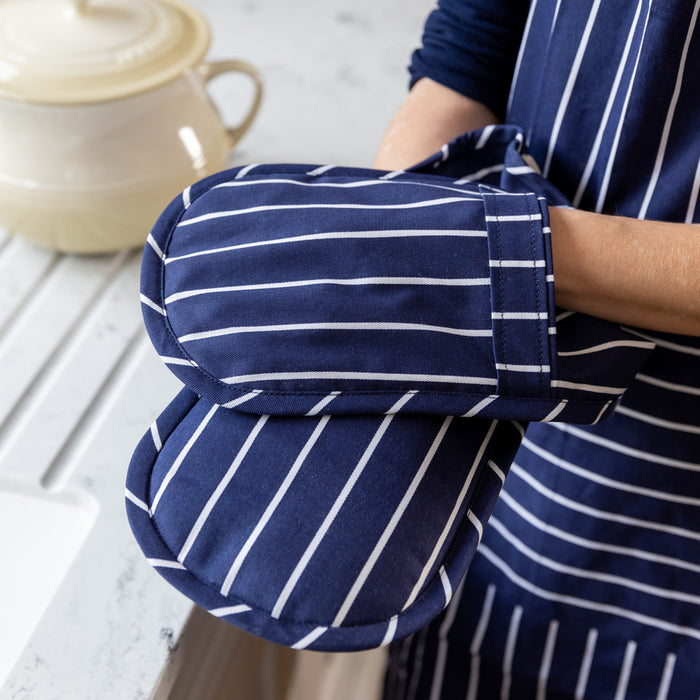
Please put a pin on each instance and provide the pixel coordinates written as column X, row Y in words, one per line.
column 360, row 352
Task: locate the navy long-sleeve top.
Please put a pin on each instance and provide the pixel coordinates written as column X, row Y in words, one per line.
column 587, row 580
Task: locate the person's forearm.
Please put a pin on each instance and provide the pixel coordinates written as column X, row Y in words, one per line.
column 431, row 115
column 640, row 273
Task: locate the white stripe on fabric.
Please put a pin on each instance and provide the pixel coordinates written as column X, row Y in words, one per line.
column 484, row 136
column 594, row 545
column 607, row 481
column 477, row 640
column 685, row 349
column 389, row 178
column 546, row 663
column 393, row 174
column 320, row 170
column 661, row 153
column 601, row 413
column 476, row 523
column 152, row 304
column 375, row 376
column 562, row 384
column 602, row 514
column 330, row 517
column 390, row 631
column 181, row 457
column 584, row 602
column 164, row 563
column 563, row 315
column 523, row 43
column 450, row 520
column 178, row 361
column 349, row 282
column 586, row 663
column 513, row 217
column 660, row 422
column 186, row 197
column 587, row 574
column 272, row 506
column 500, row 192
column 540, row 369
column 154, row 244
column 497, row 471
column 155, row 435
column 509, row 652
column 229, row 610
column 625, row 671
column 693, row 199
column 245, row 170
column 605, row 183
column 666, row 677
column 519, row 428
column 441, row 655
column 520, row 170
column 309, row 638
column 337, row 326
column 136, row 500
column 242, row 399
column 401, row 402
column 629, row 451
column 477, row 408
column 446, row 585
column 671, row 386
column 519, row 315
column 588, row 170
column 227, row 214
column 569, row 88
column 554, row 18
column 479, row 174
column 220, row 488
column 555, row 411
column 336, row 236
column 517, row 263
column 322, row 403
column 381, row 543
column 606, row 346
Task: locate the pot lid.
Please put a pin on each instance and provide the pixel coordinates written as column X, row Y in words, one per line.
column 78, row 51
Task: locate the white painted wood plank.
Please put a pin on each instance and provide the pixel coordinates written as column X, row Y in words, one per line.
column 54, row 402
column 22, row 268
column 47, row 322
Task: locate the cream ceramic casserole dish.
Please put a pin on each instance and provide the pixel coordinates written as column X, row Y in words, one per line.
column 104, row 116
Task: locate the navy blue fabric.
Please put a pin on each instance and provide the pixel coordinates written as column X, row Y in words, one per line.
column 357, row 349
column 295, row 286
column 324, row 608
column 472, row 48
column 586, row 582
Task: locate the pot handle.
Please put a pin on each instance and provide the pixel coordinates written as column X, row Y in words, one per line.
column 210, row 70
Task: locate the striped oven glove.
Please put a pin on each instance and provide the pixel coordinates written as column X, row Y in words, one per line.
column 361, row 352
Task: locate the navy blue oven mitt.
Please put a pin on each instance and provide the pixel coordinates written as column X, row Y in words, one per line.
column 361, row 353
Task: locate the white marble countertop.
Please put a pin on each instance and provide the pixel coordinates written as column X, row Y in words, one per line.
column 82, row 615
